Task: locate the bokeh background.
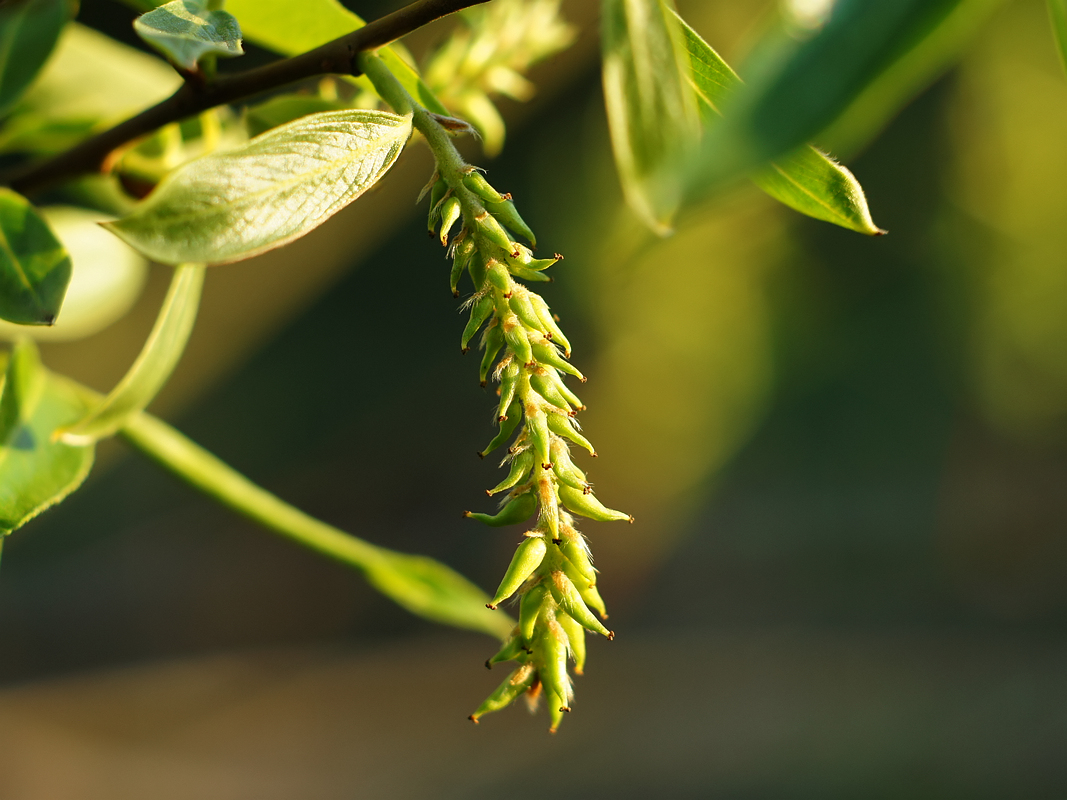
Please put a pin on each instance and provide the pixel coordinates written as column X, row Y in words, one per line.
column 847, row 458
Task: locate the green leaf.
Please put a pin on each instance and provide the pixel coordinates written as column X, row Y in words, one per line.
column 291, row 28
column 185, row 31
column 807, row 181
column 28, row 32
column 285, row 108
column 231, row 205
column 34, row 266
column 650, row 105
column 430, row 589
column 153, row 366
column 113, row 82
column 1057, row 11
column 814, row 184
column 35, row 471
column 798, row 85
column 107, row 278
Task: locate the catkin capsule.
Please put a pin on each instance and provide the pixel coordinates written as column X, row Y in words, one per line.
column 516, row 683
column 491, row 231
column 513, row 650
column 570, row 600
column 587, row 505
column 481, row 310
column 521, row 464
column 563, row 425
column 476, row 182
column 506, row 212
column 518, row 340
column 537, row 430
column 509, row 380
column 575, row 640
column 530, row 607
column 492, row 342
column 507, row 427
column 528, row 557
column 550, row 657
column 450, row 214
column 547, row 353
column 516, row 510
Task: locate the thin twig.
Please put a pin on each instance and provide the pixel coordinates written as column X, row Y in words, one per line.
column 336, row 57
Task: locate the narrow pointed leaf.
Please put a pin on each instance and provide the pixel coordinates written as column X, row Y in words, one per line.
column 807, row 181
column 35, row 471
column 231, row 205
column 1057, row 11
column 650, row 104
column 28, row 32
column 153, row 366
column 432, row 590
column 34, row 266
column 799, row 86
column 185, row 31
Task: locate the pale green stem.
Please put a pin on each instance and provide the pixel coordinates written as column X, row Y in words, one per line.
column 450, row 164
column 206, row 472
column 418, row 583
column 153, row 367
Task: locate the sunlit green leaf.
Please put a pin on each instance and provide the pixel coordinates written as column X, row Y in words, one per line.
column 107, row 278
column 28, row 32
column 650, row 104
column 234, row 204
column 1057, row 11
column 113, row 82
column 35, row 471
column 153, row 366
column 807, row 181
column 814, row 184
column 185, row 31
column 798, row 85
column 34, row 266
column 430, row 589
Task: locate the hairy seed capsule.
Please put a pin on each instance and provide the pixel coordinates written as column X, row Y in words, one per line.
column 461, row 256
column 548, row 323
column 519, row 303
column 491, row 231
column 570, row 600
column 518, row 340
column 537, row 429
column 476, row 182
column 492, row 342
column 588, row 506
column 507, row 427
column 480, row 312
column 546, row 490
column 566, row 472
column 530, row 607
column 577, row 555
column 498, row 275
column 512, row 650
column 450, row 213
column 521, row 465
column 437, row 194
column 575, row 640
column 516, row 683
column 550, row 657
column 506, row 213
column 527, row 558
column 562, row 425
column 509, row 381
column 518, row 509
column 547, row 353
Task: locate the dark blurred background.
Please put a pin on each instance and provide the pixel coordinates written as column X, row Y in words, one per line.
column 846, row 456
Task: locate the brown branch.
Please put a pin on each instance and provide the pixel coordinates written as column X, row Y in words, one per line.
column 336, row 57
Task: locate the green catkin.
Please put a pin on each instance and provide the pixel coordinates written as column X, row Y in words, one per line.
column 526, row 352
